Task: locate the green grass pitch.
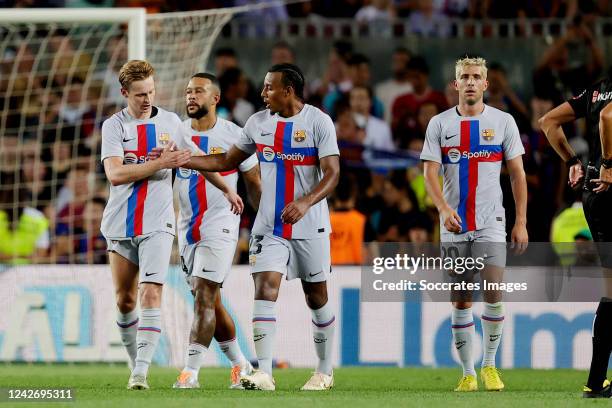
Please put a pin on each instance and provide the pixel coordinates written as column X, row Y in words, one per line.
column 104, row 385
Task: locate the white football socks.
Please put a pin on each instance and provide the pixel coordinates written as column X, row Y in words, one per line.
column 128, row 325
column 149, row 331
column 492, row 321
column 463, row 335
column 323, row 328
column 264, row 332
column 232, row 351
column 194, row 358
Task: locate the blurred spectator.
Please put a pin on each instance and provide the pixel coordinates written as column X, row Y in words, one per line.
column 501, row 96
column 376, row 11
column 350, row 228
column 234, row 90
column 377, row 131
column 425, row 21
column 225, row 58
column 24, row 231
column 569, row 65
column 419, row 229
column 406, row 107
column 336, row 74
column 282, row 53
column 426, row 111
column 264, row 19
column 398, row 85
column 392, row 220
column 70, row 206
column 67, row 63
column 91, row 245
column 452, row 96
column 347, row 129
column 116, row 52
column 38, row 192
column 359, row 75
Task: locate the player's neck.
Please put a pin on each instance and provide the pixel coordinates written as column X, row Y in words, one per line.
column 466, row 109
column 206, row 122
column 292, row 109
column 140, row 116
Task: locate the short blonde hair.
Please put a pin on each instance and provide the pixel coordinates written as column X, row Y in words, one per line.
column 467, row 62
column 134, row 70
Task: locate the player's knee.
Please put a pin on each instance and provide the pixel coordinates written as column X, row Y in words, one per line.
column 266, row 291
column 126, row 302
column 462, row 305
column 316, row 300
column 150, row 295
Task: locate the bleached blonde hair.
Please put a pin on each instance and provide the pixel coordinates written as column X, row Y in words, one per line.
column 467, row 62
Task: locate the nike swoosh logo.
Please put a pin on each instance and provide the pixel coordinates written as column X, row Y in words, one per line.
column 193, row 353
column 149, row 274
column 450, row 137
column 127, row 140
column 205, row 271
column 314, row 274
column 263, row 134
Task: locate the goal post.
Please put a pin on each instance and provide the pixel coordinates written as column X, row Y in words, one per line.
column 135, row 18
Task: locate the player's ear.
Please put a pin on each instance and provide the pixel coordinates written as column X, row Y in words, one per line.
column 124, row 92
column 456, row 84
column 486, row 85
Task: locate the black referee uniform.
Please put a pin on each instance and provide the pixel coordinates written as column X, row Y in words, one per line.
column 597, row 206
column 598, row 212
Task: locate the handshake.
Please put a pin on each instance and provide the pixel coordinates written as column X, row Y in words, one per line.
column 169, row 156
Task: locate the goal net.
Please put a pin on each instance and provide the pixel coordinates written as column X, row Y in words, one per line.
column 58, row 83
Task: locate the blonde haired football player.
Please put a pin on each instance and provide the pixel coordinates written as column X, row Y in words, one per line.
column 470, row 141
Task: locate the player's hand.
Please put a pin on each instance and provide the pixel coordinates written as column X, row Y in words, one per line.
column 235, row 201
column 173, row 159
column 295, row 210
column 156, row 152
column 576, row 174
column 519, row 238
column 604, row 180
column 452, row 221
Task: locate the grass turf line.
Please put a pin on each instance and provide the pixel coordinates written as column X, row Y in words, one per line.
column 104, row 385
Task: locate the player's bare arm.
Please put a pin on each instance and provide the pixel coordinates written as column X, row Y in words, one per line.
column 605, row 134
column 119, row 173
column 452, row 221
column 252, row 179
column 519, row 236
column 218, row 162
column 551, row 126
column 295, row 210
column 237, row 206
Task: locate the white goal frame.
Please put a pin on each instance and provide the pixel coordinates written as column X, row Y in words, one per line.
column 135, row 17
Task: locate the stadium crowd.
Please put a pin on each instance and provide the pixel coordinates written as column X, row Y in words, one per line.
column 53, row 189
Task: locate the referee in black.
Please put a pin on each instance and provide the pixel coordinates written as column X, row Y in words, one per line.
column 596, row 176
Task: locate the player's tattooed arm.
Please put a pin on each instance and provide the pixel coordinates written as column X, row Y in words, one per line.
column 452, row 221
column 218, row 162
column 295, row 210
column 252, row 179
column 232, row 196
column 119, row 173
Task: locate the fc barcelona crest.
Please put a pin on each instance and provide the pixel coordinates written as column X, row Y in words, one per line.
column 488, row 134
column 164, row 138
column 299, row 135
